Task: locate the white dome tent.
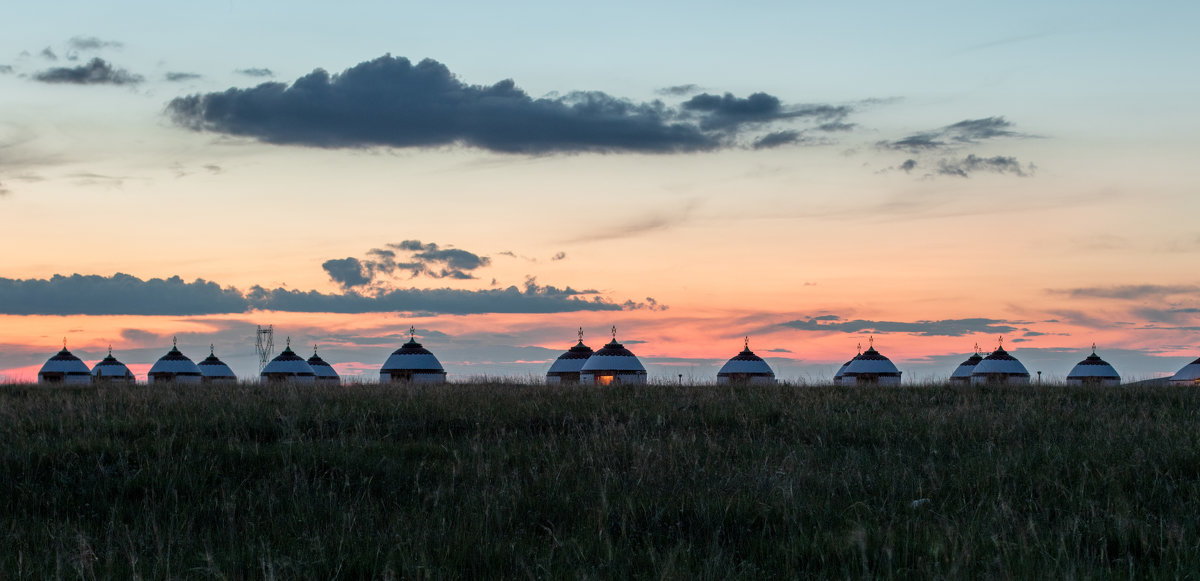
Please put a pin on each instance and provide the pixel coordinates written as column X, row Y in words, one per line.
column 1093, row 371
column 746, row 367
column 870, row 368
column 287, row 367
column 1187, row 375
column 324, row 372
column 412, row 363
column 213, row 370
column 612, row 364
column 962, row 373
column 63, row 367
column 567, row 367
column 1000, row 368
column 174, row 367
column 109, row 370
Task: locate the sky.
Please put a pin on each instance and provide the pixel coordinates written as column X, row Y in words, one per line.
column 924, row 177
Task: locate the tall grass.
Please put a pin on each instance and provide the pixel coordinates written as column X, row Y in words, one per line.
column 503, row 480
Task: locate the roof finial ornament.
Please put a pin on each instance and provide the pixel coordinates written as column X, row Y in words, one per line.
column 314, row 349
column 412, row 333
column 977, row 347
column 860, row 347
column 289, row 342
column 174, row 342
column 110, row 350
column 1093, row 347
column 614, row 330
column 871, row 342
column 747, row 342
column 581, row 334
column 64, row 343
column 212, row 350
column 1002, row 342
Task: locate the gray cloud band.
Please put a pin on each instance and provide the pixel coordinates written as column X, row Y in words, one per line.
column 123, row 294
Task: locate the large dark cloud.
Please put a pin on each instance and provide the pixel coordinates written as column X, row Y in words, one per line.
column 122, row 294
column 420, row 259
column 942, row 328
column 391, row 102
column 95, row 72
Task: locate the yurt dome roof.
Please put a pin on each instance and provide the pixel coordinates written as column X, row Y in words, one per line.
column 964, row 369
column 111, row 367
column 412, row 357
column 288, row 363
column 174, row 362
column 1093, row 367
column 613, row 357
column 1000, row 362
column 573, row 359
column 320, row 367
column 870, row 362
column 746, row 363
column 66, row 363
column 213, row 368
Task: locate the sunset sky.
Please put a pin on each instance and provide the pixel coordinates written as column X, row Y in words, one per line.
column 932, row 174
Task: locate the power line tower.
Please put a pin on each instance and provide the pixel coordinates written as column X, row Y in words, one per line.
column 264, row 345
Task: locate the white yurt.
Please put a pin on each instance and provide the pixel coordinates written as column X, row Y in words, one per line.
column 870, row 368
column 612, row 364
column 1093, row 371
column 287, row 367
column 1188, row 375
column 1000, row 368
column 174, row 367
column 64, row 367
column 566, row 368
column 213, row 370
column 324, row 372
column 746, row 367
column 109, row 370
column 962, row 373
column 412, row 363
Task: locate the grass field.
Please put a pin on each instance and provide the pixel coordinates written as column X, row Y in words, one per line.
column 516, row 481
